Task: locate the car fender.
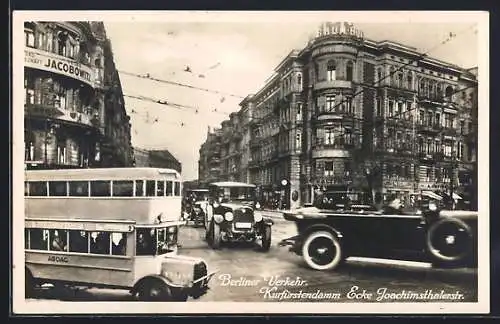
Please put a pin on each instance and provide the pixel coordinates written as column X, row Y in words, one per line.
column 268, row 221
column 145, row 279
column 321, row 227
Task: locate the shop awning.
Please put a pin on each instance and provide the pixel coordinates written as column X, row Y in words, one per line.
column 432, row 195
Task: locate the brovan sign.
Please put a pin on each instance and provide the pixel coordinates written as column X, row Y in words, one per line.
column 45, row 61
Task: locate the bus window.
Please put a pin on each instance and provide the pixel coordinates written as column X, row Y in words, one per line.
column 99, row 242
column 79, row 188
column 58, row 188
column 39, row 239
column 177, row 188
column 119, row 243
column 26, row 188
column 166, row 238
column 123, row 188
column 139, row 189
column 38, row 188
column 146, row 241
column 100, row 188
column 26, row 239
column 58, row 240
column 160, row 190
column 150, row 188
column 78, row 241
column 169, row 188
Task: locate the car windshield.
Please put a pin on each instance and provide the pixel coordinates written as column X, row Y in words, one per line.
column 155, row 241
column 235, row 193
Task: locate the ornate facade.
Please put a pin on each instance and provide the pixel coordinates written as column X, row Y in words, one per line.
column 74, row 109
column 349, row 113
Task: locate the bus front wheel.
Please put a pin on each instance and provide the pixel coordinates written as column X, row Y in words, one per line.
column 154, row 290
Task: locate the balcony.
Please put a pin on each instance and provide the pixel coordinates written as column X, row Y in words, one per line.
column 432, row 128
column 333, row 84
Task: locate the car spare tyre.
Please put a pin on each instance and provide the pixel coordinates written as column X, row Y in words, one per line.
column 449, row 242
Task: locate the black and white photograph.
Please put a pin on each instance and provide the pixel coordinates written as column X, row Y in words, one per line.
column 308, row 162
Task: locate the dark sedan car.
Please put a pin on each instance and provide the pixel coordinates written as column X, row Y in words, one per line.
column 233, row 215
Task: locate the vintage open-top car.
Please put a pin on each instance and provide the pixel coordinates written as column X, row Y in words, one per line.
column 233, row 215
column 326, row 237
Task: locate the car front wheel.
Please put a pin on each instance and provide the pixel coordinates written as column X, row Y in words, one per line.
column 266, row 238
column 322, row 251
column 216, row 236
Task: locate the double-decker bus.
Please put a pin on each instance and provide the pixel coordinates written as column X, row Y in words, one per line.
column 109, row 227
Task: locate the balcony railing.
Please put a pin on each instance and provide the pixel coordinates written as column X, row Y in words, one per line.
column 336, row 144
column 429, row 127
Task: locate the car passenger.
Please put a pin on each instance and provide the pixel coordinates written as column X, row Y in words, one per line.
column 57, row 243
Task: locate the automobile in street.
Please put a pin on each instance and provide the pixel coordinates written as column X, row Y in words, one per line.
column 233, row 215
column 195, row 206
column 326, row 237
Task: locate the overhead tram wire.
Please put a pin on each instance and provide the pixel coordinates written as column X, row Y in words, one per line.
column 377, row 82
column 179, row 84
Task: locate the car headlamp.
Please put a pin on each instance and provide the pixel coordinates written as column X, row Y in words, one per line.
column 218, row 218
column 257, row 205
column 172, row 229
column 257, row 216
column 229, row 216
column 432, row 207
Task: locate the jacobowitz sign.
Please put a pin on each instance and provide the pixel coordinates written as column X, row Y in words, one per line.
column 53, row 63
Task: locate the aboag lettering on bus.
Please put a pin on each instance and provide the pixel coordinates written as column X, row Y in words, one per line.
column 58, row 259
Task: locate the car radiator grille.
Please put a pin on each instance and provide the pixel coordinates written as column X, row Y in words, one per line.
column 243, row 216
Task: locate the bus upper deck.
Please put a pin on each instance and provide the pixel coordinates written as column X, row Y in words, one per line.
column 142, row 194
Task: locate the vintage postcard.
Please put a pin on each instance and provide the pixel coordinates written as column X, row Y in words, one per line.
column 220, row 162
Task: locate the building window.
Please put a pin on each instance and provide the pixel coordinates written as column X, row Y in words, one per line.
column 346, row 104
column 449, row 92
column 429, row 118
column 298, row 141
column 379, row 76
column 29, row 37
column 299, row 111
column 409, row 81
column 349, row 71
column 399, row 80
column 391, row 108
column 331, row 71
column 61, row 151
column 330, row 103
column 328, row 168
column 299, row 80
column 392, row 75
column 438, row 119
column 329, row 136
column 462, row 127
column 316, row 70
column 61, row 44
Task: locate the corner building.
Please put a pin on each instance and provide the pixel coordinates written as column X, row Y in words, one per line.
column 74, row 109
column 349, row 113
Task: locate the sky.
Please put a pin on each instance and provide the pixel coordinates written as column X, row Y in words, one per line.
column 235, row 57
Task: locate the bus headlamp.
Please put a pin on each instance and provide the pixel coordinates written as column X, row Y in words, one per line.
column 257, row 216
column 218, row 218
column 229, row 216
column 172, row 229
